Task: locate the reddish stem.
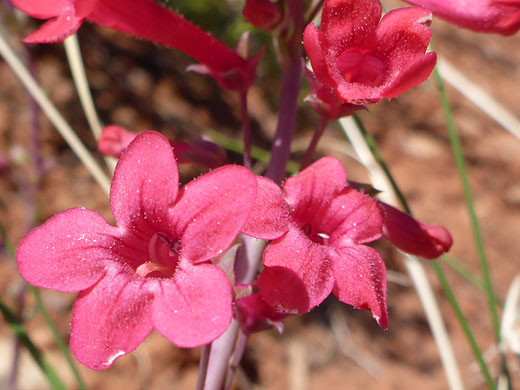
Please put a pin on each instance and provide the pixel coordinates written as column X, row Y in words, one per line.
column 314, row 142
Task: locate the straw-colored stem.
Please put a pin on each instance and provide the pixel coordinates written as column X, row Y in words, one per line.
column 53, row 114
column 85, row 97
column 479, row 97
column 413, row 265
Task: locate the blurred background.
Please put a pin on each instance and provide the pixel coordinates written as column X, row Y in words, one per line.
column 142, row 86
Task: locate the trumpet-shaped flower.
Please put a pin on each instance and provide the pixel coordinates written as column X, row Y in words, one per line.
column 492, row 16
column 362, row 59
column 144, row 19
column 153, row 269
column 322, row 249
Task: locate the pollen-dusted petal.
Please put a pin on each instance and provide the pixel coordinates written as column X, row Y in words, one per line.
column 194, row 307
column 297, row 275
column 145, row 184
column 312, row 190
column 412, row 236
column 55, row 30
column 211, row 210
column 110, row 319
column 312, row 43
column 43, row 9
column 351, row 218
column 361, row 280
column 269, row 218
column 349, row 23
column 69, row 252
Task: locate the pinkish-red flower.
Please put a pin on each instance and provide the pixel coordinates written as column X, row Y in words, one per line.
column 492, row 16
column 322, row 249
column 115, row 139
column 153, row 269
column 363, row 59
column 144, row 19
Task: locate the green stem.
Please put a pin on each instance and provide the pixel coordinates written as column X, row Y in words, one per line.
column 57, row 338
column 461, row 167
column 19, row 331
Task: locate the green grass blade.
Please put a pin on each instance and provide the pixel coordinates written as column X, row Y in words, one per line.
column 468, row 196
column 437, row 268
column 19, row 331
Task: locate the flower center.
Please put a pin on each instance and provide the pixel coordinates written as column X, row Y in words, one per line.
column 164, row 257
column 315, row 236
column 361, row 66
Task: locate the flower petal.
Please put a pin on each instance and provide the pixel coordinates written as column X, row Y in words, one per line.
column 315, row 186
column 312, row 44
column 55, row 30
column 350, row 218
column 349, row 23
column 361, row 280
column 43, row 9
column 297, row 274
column 269, row 218
column 194, row 307
column 110, row 320
column 145, row 184
column 69, row 252
column 211, row 210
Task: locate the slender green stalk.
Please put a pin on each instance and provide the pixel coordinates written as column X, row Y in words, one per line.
column 41, row 307
column 437, row 268
column 468, row 196
column 19, row 331
column 57, row 338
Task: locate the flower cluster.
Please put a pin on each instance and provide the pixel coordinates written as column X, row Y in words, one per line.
column 161, row 267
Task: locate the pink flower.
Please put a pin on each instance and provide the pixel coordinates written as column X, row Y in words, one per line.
column 492, row 16
column 322, row 250
column 362, row 59
column 144, row 19
column 151, row 271
column 115, row 139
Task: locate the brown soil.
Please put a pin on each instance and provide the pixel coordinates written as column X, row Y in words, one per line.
column 141, row 86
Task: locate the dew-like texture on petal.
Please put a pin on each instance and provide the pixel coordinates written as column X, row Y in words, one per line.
column 145, row 185
column 43, row 9
column 269, row 218
column 194, row 307
column 55, row 30
column 211, row 210
column 351, row 218
column 297, row 275
column 361, row 280
column 349, row 23
column 313, row 189
column 110, row 319
column 414, row 237
column 68, row 252
column 312, row 42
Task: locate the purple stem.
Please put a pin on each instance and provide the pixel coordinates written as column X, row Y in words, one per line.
column 240, row 348
column 246, row 129
column 223, row 347
column 314, row 142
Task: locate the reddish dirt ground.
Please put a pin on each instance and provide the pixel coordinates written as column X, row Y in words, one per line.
column 141, row 86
